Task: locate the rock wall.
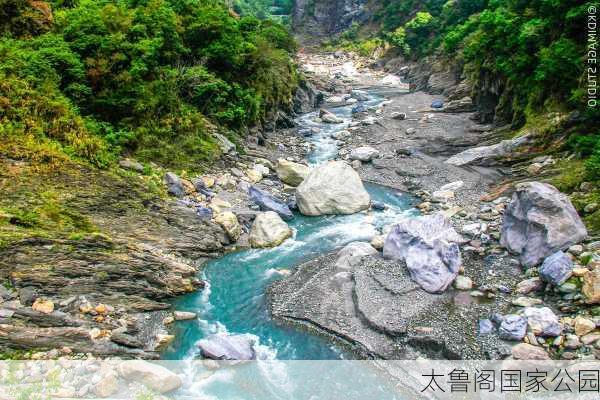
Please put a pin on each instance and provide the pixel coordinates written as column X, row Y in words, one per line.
column 319, row 19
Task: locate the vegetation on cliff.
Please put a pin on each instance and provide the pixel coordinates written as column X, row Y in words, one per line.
column 531, row 54
column 85, row 82
column 153, row 78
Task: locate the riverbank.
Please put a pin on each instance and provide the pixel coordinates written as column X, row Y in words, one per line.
column 157, row 245
column 411, row 143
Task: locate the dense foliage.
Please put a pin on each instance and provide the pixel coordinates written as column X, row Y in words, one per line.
column 533, row 51
column 93, row 78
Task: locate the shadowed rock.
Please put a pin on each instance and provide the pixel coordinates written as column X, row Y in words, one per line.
column 538, row 222
column 267, row 202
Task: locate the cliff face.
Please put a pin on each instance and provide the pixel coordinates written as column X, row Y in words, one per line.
column 318, row 18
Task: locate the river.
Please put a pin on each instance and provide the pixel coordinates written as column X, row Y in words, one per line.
column 234, row 298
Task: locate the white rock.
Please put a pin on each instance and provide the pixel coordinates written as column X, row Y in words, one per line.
column 332, row 188
column 364, row 154
column 268, row 230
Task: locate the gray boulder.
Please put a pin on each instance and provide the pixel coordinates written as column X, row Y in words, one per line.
column 174, row 185
column 513, row 327
column 228, row 347
column 538, row 222
column 351, row 255
column 332, row 188
column 267, row 202
column 556, row 269
column 485, row 154
column 364, row 154
column 542, row 321
column 131, row 165
column 268, row 230
column 428, row 246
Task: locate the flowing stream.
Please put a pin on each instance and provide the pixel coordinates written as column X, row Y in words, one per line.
column 234, row 299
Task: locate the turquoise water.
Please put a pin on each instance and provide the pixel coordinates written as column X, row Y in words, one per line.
column 234, row 299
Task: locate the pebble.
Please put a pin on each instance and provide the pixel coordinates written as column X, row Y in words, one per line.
column 529, row 285
column 576, row 249
column 526, row 301
column 524, row 351
column 463, row 283
column 590, row 338
column 584, row 326
column 572, row 342
column 567, row 287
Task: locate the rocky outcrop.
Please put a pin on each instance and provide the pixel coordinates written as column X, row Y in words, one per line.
column 351, row 255
column 374, row 307
column 540, row 221
column 228, row 347
column 428, row 246
column 269, row 230
column 323, row 18
column 486, row 155
column 332, row 188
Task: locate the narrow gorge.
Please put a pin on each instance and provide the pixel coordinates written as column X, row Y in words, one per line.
column 189, row 180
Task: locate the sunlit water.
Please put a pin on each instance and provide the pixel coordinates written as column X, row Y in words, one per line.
column 234, row 299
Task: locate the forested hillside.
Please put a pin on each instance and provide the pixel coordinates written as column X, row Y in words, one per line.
column 94, row 79
column 522, row 60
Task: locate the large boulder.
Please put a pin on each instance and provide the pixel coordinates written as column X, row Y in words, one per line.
column 364, row 154
column 224, row 144
column 332, row 188
column 291, row 173
column 268, row 230
column 457, row 106
column 267, row 202
column 428, row 246
column 151, row 375
column 174, row 185
column 539, row 221
column 351, row 255
column 228, row 347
